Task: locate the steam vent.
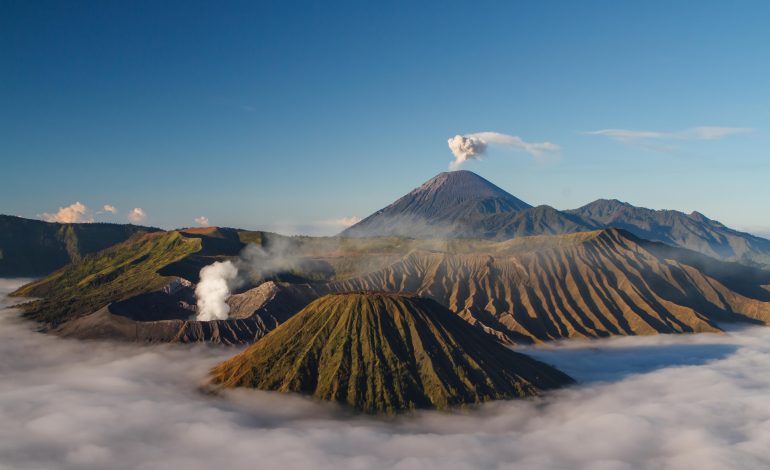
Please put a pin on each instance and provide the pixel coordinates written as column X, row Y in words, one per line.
column 386, row 353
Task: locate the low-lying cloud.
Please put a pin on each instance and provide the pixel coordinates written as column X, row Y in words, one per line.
column 473, row 146
column 346, row 221
column 110, row 208
column 675, row 402
column 202, row 220
column 74, row 213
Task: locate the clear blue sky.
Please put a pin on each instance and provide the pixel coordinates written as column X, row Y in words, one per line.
column 287, row 115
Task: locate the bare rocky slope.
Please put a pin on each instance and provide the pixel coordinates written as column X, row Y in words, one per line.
column 586, row 285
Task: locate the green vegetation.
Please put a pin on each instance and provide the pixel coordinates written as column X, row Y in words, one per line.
column 384, row 353
column 116, row 273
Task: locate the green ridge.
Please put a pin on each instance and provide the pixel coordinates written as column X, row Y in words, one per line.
column 385, row 353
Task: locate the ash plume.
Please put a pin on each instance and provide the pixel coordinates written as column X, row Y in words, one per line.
column 473, row 146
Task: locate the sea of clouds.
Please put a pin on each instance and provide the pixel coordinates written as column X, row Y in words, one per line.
column 659, row 402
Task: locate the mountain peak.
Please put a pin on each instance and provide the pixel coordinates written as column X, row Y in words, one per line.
column 384, row 353
column 465, row 185
column 438, row 204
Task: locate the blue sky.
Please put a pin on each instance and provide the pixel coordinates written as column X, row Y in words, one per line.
column 291, row 115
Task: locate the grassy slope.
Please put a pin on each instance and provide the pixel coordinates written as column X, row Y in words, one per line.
column 385, row 353
column 114, row 274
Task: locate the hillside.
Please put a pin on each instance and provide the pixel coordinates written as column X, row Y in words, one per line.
column 586, row 285
column 384, row 353
column 522, row 290
column 31, row 248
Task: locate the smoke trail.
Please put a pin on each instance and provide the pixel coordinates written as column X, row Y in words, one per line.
column 473, row 146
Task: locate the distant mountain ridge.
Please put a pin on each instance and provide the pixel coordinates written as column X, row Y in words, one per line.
column 32, row 247
column 464, row 205
column 694, row 231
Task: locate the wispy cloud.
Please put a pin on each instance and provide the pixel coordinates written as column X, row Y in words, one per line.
column 107, row 208
column 472, row 146
column 74, row 213
column 693, row 133
column 202, row 220
column 137, row 215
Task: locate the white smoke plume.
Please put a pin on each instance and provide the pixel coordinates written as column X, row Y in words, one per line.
column 202, row 220
column 473, row 146
column 74, row 213
column 253, row 265
column 110, row 208
column 465, row 148
column 216, row 282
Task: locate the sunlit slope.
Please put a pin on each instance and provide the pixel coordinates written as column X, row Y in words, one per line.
column 142, row 264
column 584, row 285
column 117, row 273
column 385, row 353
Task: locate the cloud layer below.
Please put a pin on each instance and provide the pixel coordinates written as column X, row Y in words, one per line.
column 654, row 402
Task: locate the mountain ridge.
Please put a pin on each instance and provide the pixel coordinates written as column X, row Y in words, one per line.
column 472, row 218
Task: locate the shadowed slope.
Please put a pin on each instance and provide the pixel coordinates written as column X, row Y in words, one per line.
column 693, row 231
column 33, row 247
column 385, row 353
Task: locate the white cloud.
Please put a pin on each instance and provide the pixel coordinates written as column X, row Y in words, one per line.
column 110, row 208
column 694, row 133
column 675, row 402
column 74, row 213
column 473, row 146
column 346, row 221
column 137, row 215
column 202, row 220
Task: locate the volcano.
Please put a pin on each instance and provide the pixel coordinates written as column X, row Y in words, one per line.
column 385, row 353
